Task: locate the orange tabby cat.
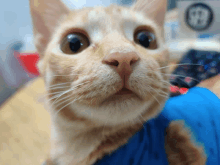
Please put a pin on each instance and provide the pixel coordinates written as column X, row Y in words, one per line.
column 103, row 80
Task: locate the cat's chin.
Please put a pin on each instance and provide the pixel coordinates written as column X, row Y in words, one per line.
column 121, row 96
column 118, row 109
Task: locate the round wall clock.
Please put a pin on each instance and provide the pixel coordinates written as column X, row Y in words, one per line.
column 199, row 16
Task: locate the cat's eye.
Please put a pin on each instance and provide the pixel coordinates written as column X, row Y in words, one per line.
column 74, row 43
column 146, row 39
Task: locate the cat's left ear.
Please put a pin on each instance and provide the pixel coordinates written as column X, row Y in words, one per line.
column 46, row 15
column 154, row 9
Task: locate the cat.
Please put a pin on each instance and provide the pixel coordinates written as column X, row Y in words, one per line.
column 105, row 74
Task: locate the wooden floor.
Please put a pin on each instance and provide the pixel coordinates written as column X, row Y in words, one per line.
column 25, row 127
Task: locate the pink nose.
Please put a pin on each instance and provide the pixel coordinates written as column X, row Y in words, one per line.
column 122, row 62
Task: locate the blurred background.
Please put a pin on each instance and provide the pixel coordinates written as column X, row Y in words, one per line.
column 16, row 35
column 24, row 121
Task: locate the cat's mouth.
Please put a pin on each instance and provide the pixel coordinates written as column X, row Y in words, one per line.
column 124, row 91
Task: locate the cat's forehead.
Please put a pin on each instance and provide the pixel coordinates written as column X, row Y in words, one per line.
column 110, row 16
column 95, row 13
column 100, row 21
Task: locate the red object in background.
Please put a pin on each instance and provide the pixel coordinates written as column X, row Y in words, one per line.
column 175, row 89
column 183, row 90
column 29, row 62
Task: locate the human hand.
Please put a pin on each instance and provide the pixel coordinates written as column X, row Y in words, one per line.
column 213, row 84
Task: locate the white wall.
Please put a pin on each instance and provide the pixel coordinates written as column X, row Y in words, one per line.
column 16, row 22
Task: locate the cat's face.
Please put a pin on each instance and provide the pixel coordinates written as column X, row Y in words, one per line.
column 103, row 63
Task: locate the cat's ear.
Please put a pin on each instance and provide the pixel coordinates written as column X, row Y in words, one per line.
column 154, row 9
column 46, row 14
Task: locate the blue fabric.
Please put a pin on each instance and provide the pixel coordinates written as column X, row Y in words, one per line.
column 200, row 109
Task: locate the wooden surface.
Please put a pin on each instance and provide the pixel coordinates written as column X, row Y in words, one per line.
column 25, row 127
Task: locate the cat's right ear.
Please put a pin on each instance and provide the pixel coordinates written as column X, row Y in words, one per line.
column 46, row 15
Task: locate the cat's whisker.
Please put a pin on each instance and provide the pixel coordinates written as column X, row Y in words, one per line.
column 70, row 99
column 158, row 92
column 51, row 93
column 162, row 92
column 66, row 105
column 59, row 87
column 66, row 97
column 59, row 84
column 62, row 102
column 71, row 89
column 58, row 95
column 62, row 75
column 179, row 65
column 179, row 76
column 163, row 81
column 154, row 96
column 55, row 96
column 166, row 82
column 169, row 74
column 71, row 74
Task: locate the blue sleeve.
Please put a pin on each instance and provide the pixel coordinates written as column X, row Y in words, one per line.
column 196, row 101
column 200, row 109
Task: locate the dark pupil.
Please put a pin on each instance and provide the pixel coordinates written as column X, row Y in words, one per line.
column 74, row 43
column 144, row 39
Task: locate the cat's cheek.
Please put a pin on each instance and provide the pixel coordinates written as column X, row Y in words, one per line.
column 163, row 58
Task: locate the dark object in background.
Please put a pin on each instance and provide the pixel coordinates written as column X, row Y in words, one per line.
column 171, row 4
column 194, row 67
column 12, row 75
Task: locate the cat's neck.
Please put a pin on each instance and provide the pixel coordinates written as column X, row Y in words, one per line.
column 75, row 142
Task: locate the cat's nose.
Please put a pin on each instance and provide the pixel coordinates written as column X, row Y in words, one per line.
column 122, row 62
